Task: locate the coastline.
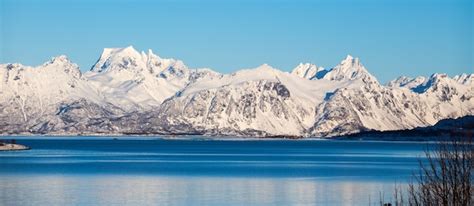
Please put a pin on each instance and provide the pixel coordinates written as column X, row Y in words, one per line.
column 210, row 138
column 441, row 131
column 12, row 147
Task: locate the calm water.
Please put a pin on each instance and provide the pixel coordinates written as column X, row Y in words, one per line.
column 128, row 171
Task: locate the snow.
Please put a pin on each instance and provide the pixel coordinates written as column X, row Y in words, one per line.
column 466, row 79
column 42, row 88
column 308, row 71
column 137, row 92
column 311, row 90
column 407, row 82
column 136, row 81
column 349, row 69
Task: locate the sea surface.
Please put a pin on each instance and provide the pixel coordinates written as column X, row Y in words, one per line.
column 200, row 171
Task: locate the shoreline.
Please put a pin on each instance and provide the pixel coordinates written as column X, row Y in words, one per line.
column 209, row 138
column 441, row 131
column 12, row 147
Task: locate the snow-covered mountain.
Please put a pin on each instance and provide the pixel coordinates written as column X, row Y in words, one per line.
column 131, row 92
column 309, row 71
column 136, row 81
column 464, row 79
column 260, row 101
column 349, row 69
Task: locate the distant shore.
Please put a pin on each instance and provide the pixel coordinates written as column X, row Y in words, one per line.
column 443, row 130
column 12, row 147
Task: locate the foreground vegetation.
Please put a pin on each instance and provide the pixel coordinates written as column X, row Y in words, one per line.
column 445, row 179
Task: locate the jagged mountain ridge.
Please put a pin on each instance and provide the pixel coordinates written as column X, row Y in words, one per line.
column 128, row 92
column 349, row 69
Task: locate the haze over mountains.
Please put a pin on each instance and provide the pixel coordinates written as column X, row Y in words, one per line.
column 131, row 92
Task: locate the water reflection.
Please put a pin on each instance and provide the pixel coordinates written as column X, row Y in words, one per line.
column 158, row 172
column 175, row 190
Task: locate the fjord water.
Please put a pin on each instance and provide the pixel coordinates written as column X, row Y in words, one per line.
column 155, row 171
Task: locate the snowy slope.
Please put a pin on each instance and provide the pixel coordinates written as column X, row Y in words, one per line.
column 32, row 96
column 407, row 82
column 308, row 71
column 464, row 79
column 395, row 107
column 260, row 101
column 139, row 81
column 349, row 69
column 131, row 92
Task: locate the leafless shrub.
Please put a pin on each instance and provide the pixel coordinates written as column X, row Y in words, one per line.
column 444, row 179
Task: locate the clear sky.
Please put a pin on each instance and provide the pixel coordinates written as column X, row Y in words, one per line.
column 392, row 37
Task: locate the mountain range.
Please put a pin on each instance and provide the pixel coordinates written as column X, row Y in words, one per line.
column 131, row 92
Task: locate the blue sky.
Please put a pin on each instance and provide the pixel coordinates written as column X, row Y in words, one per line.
column 392, row 37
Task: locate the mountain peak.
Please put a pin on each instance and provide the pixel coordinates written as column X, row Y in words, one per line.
column 433, row 82
column 307, row 71
column 117, row 58
column 349, row 69
column 265, row 66
column 150, row 53
column 439, row 76
column 61, row 64
column 464, row 78
column 262, row 71
column 350, row 60
column 61, row 59
column 407, row 82
column 127, row 51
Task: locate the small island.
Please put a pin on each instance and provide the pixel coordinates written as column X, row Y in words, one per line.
column 4, row 146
